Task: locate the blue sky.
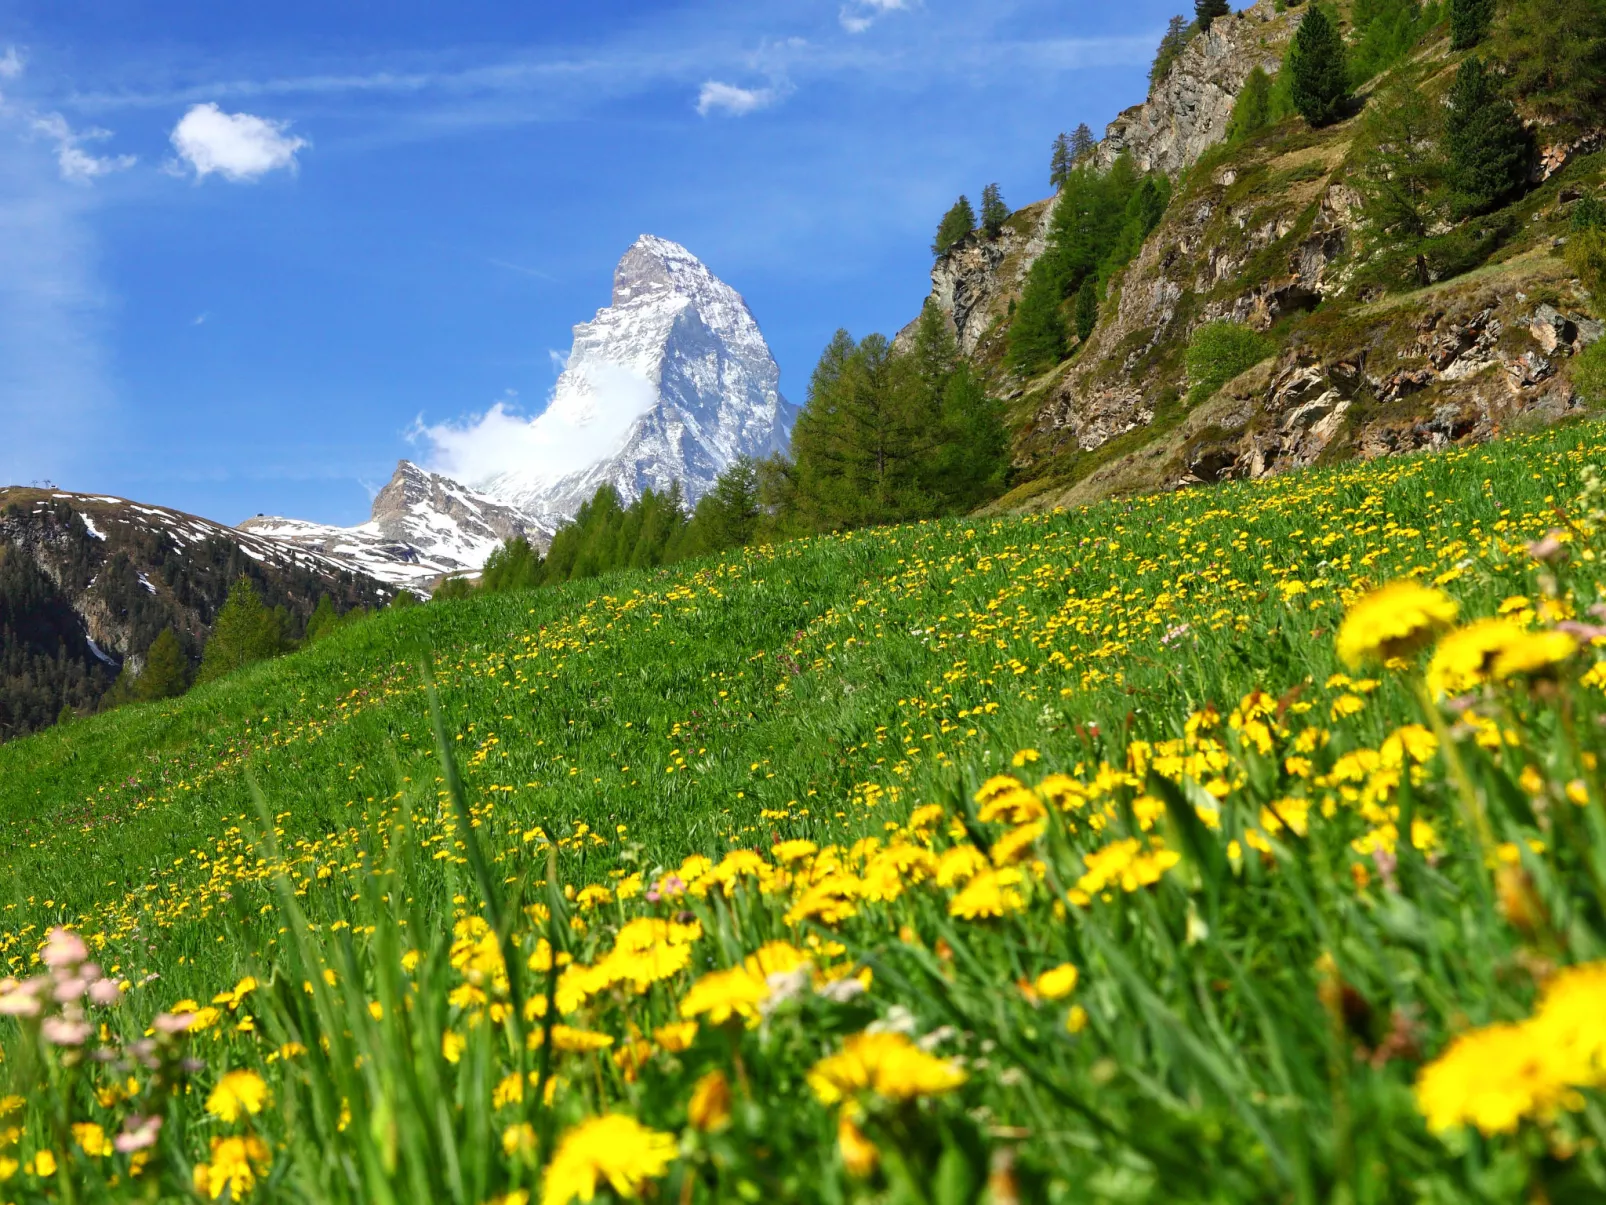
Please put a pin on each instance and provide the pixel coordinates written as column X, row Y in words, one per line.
column 245, row 247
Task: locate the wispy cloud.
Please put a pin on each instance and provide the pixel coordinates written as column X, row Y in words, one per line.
column 718, row 97
column 858, row 15
column 74, row 162
column 240, row 147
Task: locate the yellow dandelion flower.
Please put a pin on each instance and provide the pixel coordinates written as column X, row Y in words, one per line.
column 990, row 894
column 1396, row 621
column 612, row 1149
column 1462, row 659
column 238, row 1093
column 710, row 1105
column 1057, row 983
column 675, row 1037
column 234, row 1167
column 859, row 1154
column 1533, row 654
column 91, row 1139
column 721, row 995
column 518, row 1140
column 888, row 1064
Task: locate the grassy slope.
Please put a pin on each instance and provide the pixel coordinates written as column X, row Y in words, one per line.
column 681, row 703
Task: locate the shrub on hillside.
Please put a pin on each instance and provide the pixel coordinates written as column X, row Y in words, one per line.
column 1220, row 351
column 1589, row 373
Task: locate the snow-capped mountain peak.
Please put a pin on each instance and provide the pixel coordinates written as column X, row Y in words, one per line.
column 671, row 382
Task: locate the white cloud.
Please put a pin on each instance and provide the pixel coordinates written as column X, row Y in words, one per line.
column 591, row 412
column 237, row 146
column 716, row 97
column 75, row 163
column 11, row 63
column 858, row 15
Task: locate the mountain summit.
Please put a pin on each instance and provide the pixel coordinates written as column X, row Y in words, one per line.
column 671, row 382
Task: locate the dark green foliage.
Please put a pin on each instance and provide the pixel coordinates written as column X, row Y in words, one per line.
column 994, row 213
column 1099, row 223
column 885, row 438
column 167, row 670
column 1318, row 69
column 1082, row 143
column 1037, row 336
column 1555, row 58
column 1488, row 149
column 246, row 631
column 727, row 516
column 959, row 221
column 1466, row 247
column 1087, row 308
column 1402, row 167
column 1171, row 46
column 1586, row 255
column 516, row 565
column 453, row 587
column 1059, row 161
column 1252, row 110
column 1588, row 214
column 1205, row 12
column 1385, row 31
column 1219, row 351
column 45, row 661
column 402, row 599
column 605, row 534
column 1469, row 22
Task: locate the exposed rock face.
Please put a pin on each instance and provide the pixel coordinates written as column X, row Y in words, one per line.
column 678, row 367
column 1188, row 108
column 975, row 279
column 424, row 527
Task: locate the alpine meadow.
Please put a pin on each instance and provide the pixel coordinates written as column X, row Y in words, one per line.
column 1135, row 735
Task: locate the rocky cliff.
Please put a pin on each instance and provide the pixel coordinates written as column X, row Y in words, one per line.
column 1379, row 349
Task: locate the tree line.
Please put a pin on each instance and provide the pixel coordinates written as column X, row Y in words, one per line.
column 888, row 434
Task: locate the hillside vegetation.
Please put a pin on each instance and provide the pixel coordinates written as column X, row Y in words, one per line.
column 1027, row 857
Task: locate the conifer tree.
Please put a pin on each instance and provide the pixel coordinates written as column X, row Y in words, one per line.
column 245, row 632
column 1469, row 22
column 1489, row 150
column 1059, row 161
column 972, row 459
column 1082, row 143
column 167, row 669
column 994, row 213
column 959, row 221
column 1401, row 168
column 1087, row 308
column 1171, row 45
column 515, row 565
column 1251, row 112
column 1318, row 68
column 324, row 619
column 1555, row 60
column 1037, row 335
column 1206, row 12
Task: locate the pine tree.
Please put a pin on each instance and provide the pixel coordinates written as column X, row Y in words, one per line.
column 1555, row 58
column 245, row 632
column 1206, row 12
column 167, row 669
column 1469, row 22
column 972, row 458
column 1082, row 143
column 1401, row 168
column 514, row 565
column 959, row 221
column 994, row 213
column 1489, row 150
column 1318, row 69
column 1037, row 335
column 1059, row 161
column 1171, row 46
column 324, row 619
column 1087, row 308
column 1251, row 111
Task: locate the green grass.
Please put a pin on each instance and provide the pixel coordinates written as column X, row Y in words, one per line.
column 823, row 689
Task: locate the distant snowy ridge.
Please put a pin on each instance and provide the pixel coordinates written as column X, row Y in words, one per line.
column 423, row 527
column 711, row 389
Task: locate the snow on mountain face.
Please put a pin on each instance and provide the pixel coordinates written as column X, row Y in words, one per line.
column 673, row 381
column 424, row 527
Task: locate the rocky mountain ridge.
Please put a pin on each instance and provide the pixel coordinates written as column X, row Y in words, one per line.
column 87, row 583
column 424, row 527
